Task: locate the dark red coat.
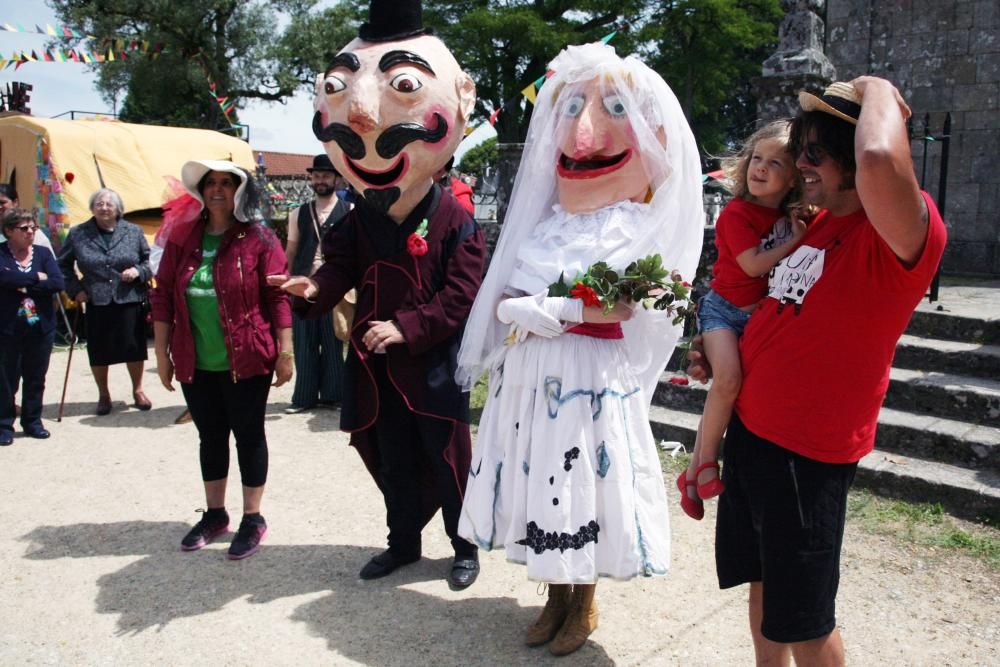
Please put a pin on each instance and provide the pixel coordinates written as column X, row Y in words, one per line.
column 429, row 297
column 251, row 312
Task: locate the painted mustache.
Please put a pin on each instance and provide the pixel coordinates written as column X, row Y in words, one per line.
column 395, row 139
column 348, row 140
column 389, row 143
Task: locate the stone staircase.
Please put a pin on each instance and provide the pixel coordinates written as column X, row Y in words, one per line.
column 938, row 439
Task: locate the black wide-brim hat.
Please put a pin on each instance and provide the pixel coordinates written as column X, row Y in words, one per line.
column 390, row 20
column 322, row 162
column 840, row 99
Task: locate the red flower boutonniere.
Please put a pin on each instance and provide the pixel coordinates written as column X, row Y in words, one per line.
column 416, row 244
column 585, row 294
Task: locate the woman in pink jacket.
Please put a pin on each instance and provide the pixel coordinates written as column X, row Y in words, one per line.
column 223, row 333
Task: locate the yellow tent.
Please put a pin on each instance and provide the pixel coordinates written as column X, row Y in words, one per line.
column 60, row 163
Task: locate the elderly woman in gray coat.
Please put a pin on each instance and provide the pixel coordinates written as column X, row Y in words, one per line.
column 113, row 257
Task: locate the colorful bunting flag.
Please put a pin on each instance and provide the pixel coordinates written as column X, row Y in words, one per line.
column 57, row 31
column 529, row 92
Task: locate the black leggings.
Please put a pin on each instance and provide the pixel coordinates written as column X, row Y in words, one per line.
column 220, row 406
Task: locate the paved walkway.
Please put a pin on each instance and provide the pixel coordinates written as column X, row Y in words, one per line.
column 978, row 299
column 91, row 572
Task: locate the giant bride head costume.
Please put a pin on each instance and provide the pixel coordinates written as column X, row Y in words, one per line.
column 607, row 138
column 392, row 107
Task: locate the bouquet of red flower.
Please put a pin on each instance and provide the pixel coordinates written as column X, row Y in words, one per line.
column 643, row 281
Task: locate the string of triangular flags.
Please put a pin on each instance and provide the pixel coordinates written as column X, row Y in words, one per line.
column 226, row 104
column 530, row 92
column 58, row 31
column 119, row 49
column 111, row 50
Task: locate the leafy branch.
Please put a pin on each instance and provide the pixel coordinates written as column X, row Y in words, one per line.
column 643, row 281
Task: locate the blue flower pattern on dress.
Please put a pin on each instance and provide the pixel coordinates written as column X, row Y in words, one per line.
column 603, row 461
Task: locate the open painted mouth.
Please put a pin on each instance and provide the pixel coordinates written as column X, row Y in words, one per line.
column 380, row 179
column 591, row 167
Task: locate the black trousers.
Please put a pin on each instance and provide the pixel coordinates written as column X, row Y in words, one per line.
column 406, row 441
column 23, row 357
column 219, row 407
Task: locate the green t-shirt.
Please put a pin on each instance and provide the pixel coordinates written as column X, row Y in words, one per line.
column 206, row 325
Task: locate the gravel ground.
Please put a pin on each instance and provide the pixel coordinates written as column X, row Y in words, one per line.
column 92, row 573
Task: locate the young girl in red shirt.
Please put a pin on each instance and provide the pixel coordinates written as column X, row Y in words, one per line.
column 757, row 229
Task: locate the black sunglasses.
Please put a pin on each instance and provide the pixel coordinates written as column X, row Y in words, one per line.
column 814, row 154
column 26, row 228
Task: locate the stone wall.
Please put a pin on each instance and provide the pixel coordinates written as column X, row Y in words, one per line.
column 944, row 57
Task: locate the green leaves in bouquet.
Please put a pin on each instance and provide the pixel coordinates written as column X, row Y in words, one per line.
column 644, row 281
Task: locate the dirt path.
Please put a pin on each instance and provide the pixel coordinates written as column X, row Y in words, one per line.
column 92, row 573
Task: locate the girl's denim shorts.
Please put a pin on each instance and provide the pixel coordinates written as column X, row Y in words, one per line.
column 714, row 312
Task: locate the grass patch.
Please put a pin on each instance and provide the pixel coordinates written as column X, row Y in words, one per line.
column 477, row 399
column 923, row 524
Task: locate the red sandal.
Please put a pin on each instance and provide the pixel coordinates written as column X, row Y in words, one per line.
column 692, row 507
column 712, row 487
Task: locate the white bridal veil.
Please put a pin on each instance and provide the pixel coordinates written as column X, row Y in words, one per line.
column 671, row 223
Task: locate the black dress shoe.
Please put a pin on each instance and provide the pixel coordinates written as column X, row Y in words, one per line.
column 39, row 432
column 6, row 439
column 464, row 570
column 385, row 563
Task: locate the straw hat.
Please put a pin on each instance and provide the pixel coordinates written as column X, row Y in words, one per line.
column 840, row 99
column 193, row 171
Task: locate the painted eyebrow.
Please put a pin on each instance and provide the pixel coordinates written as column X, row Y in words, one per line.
column 345, row 59
column 393, row 58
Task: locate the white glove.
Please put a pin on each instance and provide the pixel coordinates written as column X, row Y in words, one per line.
column 526, row 315
column 564, row 309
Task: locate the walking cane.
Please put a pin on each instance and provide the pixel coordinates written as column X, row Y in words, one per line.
column 69, row 360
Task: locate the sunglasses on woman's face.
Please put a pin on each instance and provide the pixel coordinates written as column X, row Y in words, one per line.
column 26, row 228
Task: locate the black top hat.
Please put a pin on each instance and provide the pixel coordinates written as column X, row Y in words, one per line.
column 322, row 163
column 389, row 20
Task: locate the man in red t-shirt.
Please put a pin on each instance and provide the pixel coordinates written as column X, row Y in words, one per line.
column 816, row 358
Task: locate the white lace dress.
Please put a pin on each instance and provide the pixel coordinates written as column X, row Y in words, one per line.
column 565, row 474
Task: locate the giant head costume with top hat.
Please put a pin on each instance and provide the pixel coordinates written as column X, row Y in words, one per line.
column 392, row 107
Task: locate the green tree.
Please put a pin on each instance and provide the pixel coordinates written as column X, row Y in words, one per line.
column 709, row 51
column 507, row 44
column 477, row 158
column 238, row 44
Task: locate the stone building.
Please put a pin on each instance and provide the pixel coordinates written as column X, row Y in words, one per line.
column 945, row 58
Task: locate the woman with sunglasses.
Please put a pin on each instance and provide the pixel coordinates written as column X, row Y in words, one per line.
column 29, row 277
column 8, row 200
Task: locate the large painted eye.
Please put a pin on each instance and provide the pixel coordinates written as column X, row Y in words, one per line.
column 333, row 84
column 614, row 106
column 573, row 106
column 406, row 83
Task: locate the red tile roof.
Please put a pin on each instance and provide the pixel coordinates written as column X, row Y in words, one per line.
column 284, row 164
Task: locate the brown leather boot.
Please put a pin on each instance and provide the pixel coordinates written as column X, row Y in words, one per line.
column 580, row 622
column 551, row 619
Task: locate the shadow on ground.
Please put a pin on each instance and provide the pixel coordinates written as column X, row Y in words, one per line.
column 381, row 622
